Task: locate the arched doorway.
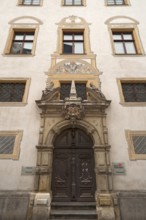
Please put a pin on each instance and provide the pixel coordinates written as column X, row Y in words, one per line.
column 73, row 176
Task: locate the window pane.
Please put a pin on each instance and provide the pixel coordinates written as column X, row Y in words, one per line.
column 29, row 36
column 117, row 37
column 65, row 90
column 16, row 48
column 119, row 48
column 77, row 2
column 36, row 2
column 78, row 37
column 27, row 48
column 130, row 48
column 19, row 36
column 111, row 2
column 27, row 2
column 7, row 144
column 119, row 2
column 68, row 2
column 116, row 2
column 81, row 90
column 68, row 48
column 11, row 92
column 78, row 48
column 139, row 143
column 134, row 92
column 127, row 37
column 68, row 37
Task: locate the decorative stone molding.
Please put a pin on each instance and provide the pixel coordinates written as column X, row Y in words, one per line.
column 125, row 23
column 105, row 207
column 41, row 209
column 73, row 66
column 24, row 23
column 73, row 23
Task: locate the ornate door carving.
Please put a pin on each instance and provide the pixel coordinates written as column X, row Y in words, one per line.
column 73, row 177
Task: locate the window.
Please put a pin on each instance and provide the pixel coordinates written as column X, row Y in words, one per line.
column 116, row 2
column 13, row 91
column 31, row 2
column 72, row 2
column 137, row 144
column 124, row 42
column 132, row 91
column 22, row 42
column 73, row 43
column 10, row 144
column 80, row 89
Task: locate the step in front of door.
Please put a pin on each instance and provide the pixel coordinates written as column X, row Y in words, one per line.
column 73, row 210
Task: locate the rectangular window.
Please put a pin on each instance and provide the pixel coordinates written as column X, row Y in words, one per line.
column 134, row 92
column 80, row 90
column 72, row 2
column 73, row 43
column 116, row 2
column 22, row 42
column 11, row 92
column 31, row 2
column 137, row 144
column 10, row 144
column 14, row 91
column 124, row 43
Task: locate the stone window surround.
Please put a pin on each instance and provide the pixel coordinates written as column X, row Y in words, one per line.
column 25, row 96
column 132, row 155
column 21, row 27
column 20, row 3
column 127, row 3
column 73, row 23
column 131, row 26
column 16, row 150
column 63, row 4
column 129, row 80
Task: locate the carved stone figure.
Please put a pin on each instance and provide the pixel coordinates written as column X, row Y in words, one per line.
column 93, row 87
column 49, row 88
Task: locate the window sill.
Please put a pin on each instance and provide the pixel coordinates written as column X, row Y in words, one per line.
column 128, row 55
column 133, row 104
column 116, row 5
column 13, row 104
column 29, row 5
column 18, row 55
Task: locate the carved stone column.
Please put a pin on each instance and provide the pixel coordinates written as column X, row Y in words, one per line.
column 102, row 168
column 44, row 168
column 104, row 199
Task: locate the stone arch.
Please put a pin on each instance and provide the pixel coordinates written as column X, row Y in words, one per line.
column 26, row 19
column 112, row 20
column 83, row 125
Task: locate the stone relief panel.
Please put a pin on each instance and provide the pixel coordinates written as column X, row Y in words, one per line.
column 74, row 67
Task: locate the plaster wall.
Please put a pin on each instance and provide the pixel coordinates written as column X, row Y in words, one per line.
column 27, row 118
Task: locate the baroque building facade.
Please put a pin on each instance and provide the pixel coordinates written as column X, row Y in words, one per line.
column 72, row 104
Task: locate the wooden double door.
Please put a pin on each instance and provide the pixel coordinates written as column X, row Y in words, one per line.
column 73, row 176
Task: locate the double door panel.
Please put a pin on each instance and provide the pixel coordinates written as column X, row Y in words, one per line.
column 73, row 175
